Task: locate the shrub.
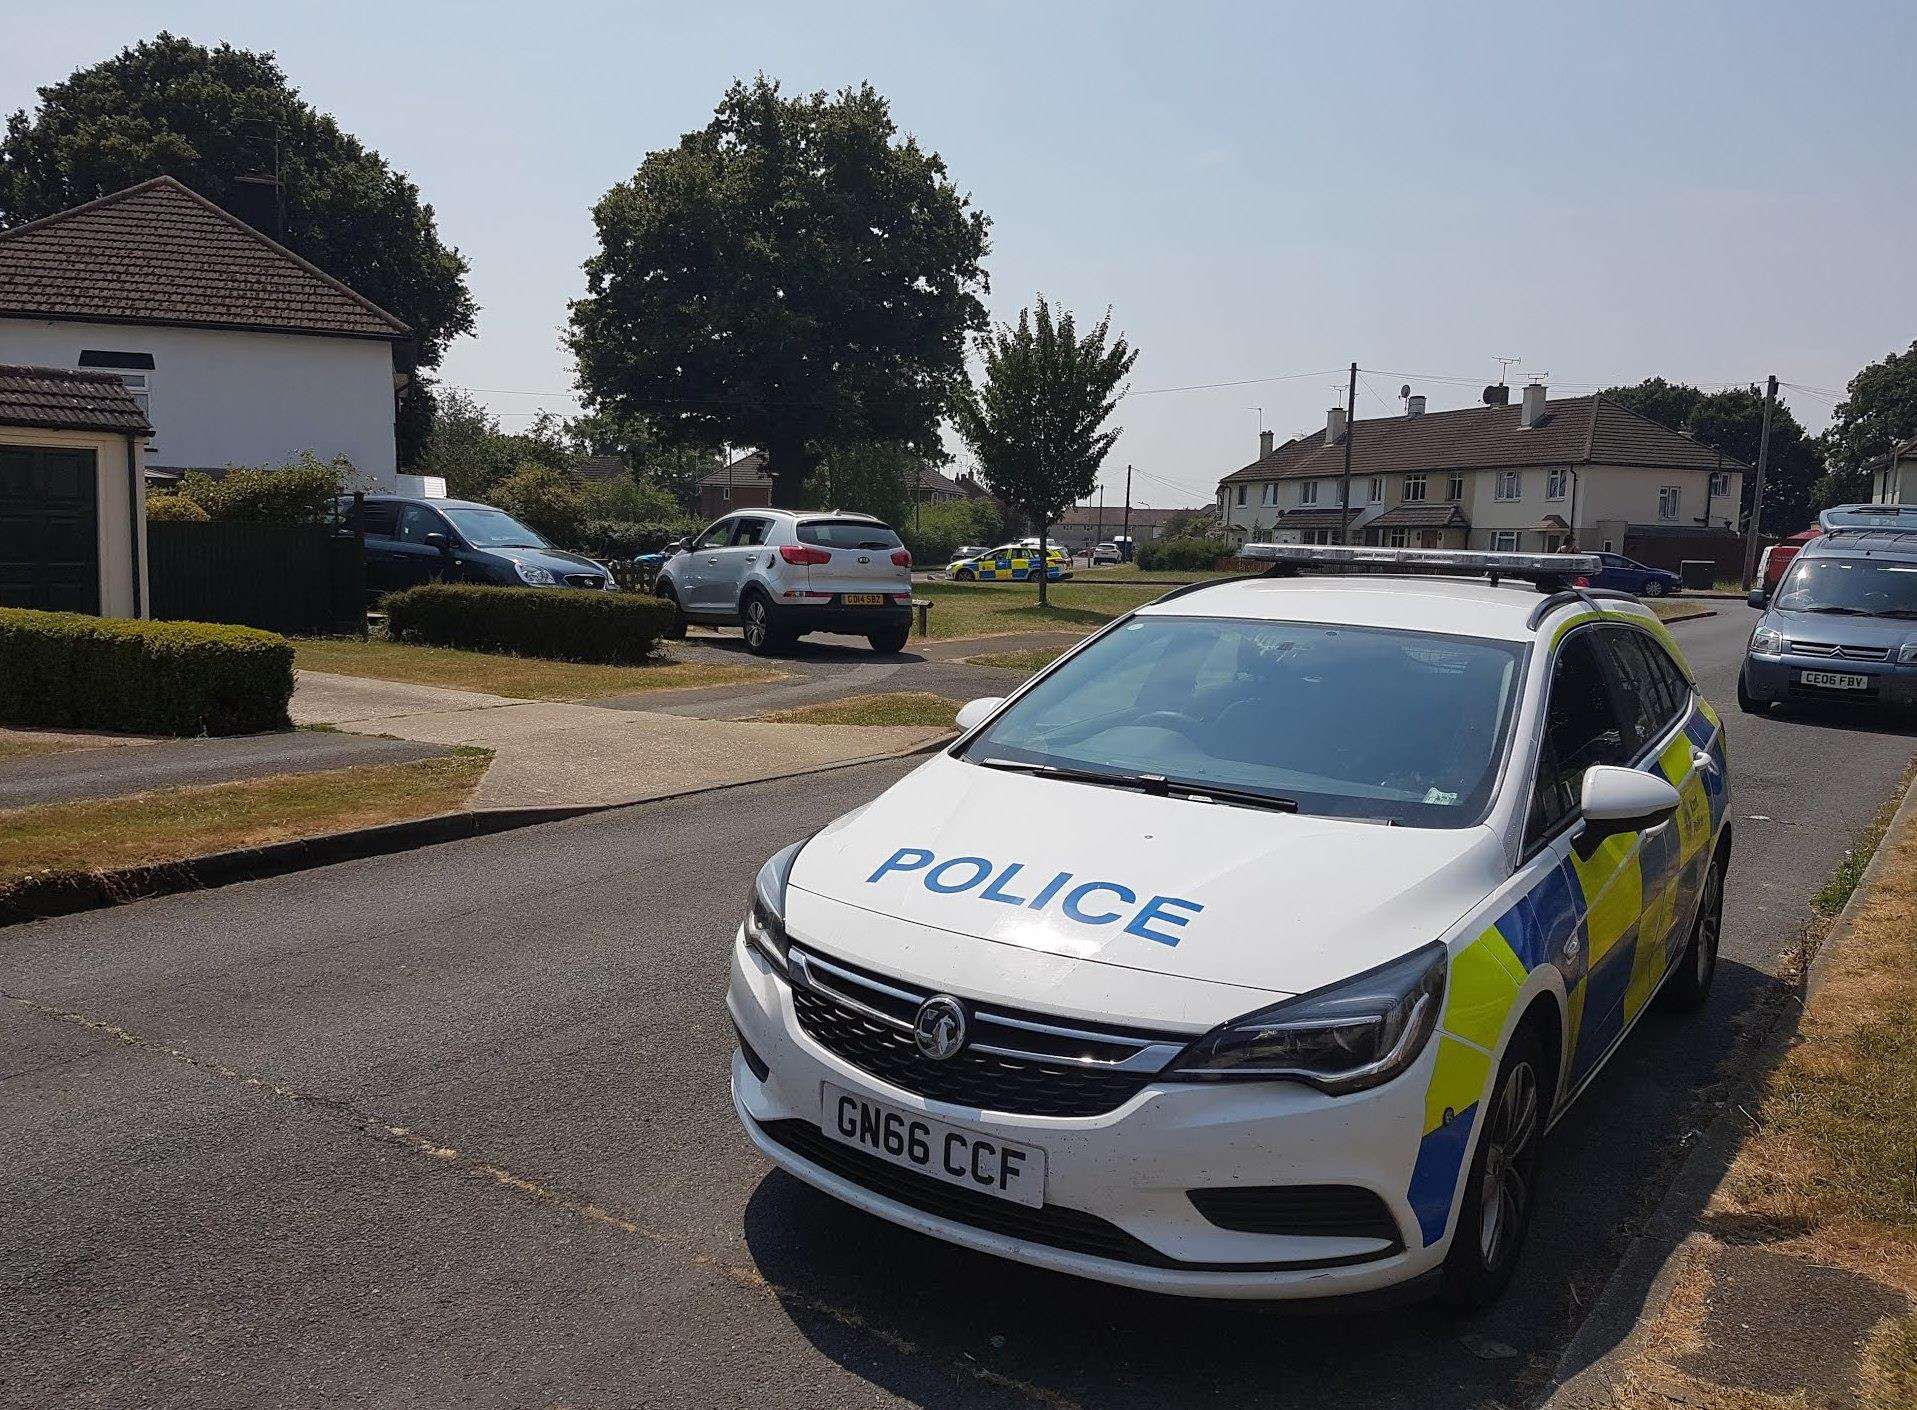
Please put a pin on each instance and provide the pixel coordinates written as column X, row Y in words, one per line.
column 629, row 501
column 936, row 532
column 560, row 624
column 173, row 509
column 551, row 501
column 66, row 670
column 1181, row 555
column 617, row 539
column 297, row 492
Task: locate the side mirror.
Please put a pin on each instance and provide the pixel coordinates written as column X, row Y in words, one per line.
column 440, row 542
column 1616, row 800
column 974, row 713
column 1757, row 597
column 678, row 546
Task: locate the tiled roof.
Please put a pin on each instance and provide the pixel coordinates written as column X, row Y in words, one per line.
column 1114, row 515
column 159, row 253
column 1421, row 516
column 602, row 469
column 1573, row 431
column 61, row 399
column 748, row 469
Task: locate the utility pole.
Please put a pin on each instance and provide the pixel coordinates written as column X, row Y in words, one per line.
column 1351, row 432
column 1128, row 514
column 1099, row 536
column 1757, row 499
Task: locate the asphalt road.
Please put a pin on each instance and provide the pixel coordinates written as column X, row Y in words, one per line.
column 451, row 1127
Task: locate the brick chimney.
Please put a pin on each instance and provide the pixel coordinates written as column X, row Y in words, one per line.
column 1414, row 404
column 1334, row 425
column 1264, row 444
column 1532, row 411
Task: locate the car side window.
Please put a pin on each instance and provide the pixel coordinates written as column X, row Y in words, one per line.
column 716, row 536
column 1677, row 685
column 751, row 533
column 1650, row 708
column 1581, row 728
column 381, row 519
column 416, row 521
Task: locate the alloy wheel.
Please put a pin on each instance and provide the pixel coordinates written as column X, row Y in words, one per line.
column 1710, row 923
column 1512, row 1130
column 756, row 625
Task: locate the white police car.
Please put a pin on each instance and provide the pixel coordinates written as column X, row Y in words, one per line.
column 1250, row 949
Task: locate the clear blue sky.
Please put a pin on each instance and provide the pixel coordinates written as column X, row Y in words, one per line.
column 1707, row 192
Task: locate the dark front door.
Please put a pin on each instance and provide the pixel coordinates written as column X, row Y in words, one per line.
column 49, row 529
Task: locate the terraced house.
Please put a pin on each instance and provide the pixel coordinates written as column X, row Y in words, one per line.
column 1540, row 475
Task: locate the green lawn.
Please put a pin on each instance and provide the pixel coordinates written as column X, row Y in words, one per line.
column 980, row 609
column 1131, row 572
column 522, row 677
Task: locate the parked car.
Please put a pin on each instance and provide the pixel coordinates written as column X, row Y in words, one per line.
column 780, row 573
column 970, row 550
column 1106, row 553
column 412, row 540
column 1011, row 562
column 1776, row 558
column 1842, row 625
column 1628, row 575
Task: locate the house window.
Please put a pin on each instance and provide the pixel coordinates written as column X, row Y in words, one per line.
column 1241, row 494
column 1667, row 497
column 1413, row 490
column 1398, row 538
column 1720, row 483
column 1510, row 485
column 1376, row 493
column 1454, row 491
column 134, row 369
column 1610, row 546
column 1268, row 492
column 1554, row 483
column 1504, row 541
column 1308, row 492
column 1316, row 536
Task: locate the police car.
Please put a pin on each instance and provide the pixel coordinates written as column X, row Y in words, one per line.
column 1011, row 563
column 1251, row 948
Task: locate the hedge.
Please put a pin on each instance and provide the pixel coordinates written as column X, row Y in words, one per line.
column 560, row 624
column 1182, row 555
column 67, row 670
column 628, row 538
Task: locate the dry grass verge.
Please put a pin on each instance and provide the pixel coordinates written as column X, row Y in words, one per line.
column 897, row 708
column 1026, row 661
column 521, row 677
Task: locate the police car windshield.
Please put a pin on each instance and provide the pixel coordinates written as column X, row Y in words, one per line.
column 1859, row 587
column 1403, row 727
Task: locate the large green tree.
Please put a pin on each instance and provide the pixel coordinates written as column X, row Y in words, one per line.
column 167, row 106
column 1037, row 424
column 794, row 276
column 1733, row 420
column 1878, row 412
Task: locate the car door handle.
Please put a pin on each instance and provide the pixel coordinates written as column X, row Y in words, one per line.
column 1703, row 759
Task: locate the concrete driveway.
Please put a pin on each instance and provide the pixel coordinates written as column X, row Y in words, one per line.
column 451, row 1127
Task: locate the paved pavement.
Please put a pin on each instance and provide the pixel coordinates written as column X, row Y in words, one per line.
column 114, row 771
column 452, row 1127
column 561, row 753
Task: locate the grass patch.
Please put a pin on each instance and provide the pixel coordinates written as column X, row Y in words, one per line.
column 1131, row 572
column 1890, row 1365
column 1026, row 661
column 521, row 677
column 1668, row 610
column 979, row 609
column 897, row 708
column 177, row 823
column 18, row 744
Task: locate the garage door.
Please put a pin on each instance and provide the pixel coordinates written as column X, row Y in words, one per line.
column 49, row 536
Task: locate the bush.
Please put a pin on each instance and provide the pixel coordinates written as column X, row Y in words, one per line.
column 629, row 501
column 66, row 670
column 551, row 501
column 619, row 539
column 938, row 530
column 297, row 492
column 173, row 509
column 1181, row 555
column 560, row 624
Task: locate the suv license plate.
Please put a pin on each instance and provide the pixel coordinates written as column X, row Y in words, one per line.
column 1835, row 680
column 948, row 1153
column 864, row 599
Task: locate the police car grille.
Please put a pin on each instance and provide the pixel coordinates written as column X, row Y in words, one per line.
column 1042, row 1067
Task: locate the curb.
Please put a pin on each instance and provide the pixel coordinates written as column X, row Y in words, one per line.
column 1640, row 1286
column 54, row 894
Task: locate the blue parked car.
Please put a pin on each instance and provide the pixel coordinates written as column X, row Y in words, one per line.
column 1629, row 575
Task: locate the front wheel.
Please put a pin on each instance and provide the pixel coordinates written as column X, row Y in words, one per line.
column 891, row 641
column 966, row 575
column 1690, row 985
column 1747, row 702
column 1497, row 1199
column 1654, row 588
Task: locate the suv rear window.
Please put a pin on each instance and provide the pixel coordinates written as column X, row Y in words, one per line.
column 848, row 533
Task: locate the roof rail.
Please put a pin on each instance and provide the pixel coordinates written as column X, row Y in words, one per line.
column 1548, row 572
column 1594, row 598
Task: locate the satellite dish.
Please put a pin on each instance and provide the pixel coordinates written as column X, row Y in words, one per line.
column 1404, row 391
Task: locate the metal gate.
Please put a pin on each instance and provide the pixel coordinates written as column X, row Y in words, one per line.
column 49, row 529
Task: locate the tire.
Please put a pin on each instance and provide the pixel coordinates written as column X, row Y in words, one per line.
column 1747, row 702
column 763, row 634
column 676, row 628
column 966, row 575
column 1690, row 985
column 1653, row 587
column 1498, row 1193
column 891, row 641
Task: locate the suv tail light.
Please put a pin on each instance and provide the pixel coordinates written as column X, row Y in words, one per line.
column 1581, row 580
column 901, row 558
column 804, row 553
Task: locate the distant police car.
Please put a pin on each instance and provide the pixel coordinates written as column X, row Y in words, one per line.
column 1250, row 949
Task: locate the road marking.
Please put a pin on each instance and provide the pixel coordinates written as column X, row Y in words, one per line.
column 566, row 1201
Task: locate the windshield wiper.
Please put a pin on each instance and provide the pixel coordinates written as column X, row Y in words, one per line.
column 1156, row 784
column 1834, row 611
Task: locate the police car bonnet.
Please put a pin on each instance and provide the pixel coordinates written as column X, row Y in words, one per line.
column 1204, row 891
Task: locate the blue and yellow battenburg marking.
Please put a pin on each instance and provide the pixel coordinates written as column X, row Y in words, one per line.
column 1013, row 567
column 1608, row 922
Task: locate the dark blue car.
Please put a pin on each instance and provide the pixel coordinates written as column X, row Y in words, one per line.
column 1629, row 575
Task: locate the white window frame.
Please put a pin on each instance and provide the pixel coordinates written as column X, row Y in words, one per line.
column 1720, row 483
column 1307, row 492
column 1415, row 488
column 1504, row 540
column 1510, row 487
column 1454, row 488
column 1670, row 501
column 1398, row 538
column 1376, row 489
column 1555, row 483
column 1242, row 491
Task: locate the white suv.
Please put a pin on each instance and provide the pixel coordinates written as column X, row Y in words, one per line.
column 780, row 573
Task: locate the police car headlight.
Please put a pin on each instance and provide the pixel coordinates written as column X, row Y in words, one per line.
column 765, row 918
column 1358, row 1033
column 1767, row 641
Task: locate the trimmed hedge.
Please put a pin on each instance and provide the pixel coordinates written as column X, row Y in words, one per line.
column 1182, row 555
column 67, row 670
column 559, row 624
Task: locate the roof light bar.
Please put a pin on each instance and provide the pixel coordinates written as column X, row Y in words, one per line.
column 1468, row 562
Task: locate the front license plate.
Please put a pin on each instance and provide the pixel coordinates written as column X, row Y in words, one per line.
column 949, row 1153
column 1835, row 680
column 865, row 599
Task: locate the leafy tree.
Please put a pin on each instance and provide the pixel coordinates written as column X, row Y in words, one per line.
column 168, row 106
column 1733, row 421
column 467, row 447
column 674, row 469
column 873, row 479
column 297, row 492
column 628, row 499
column 794, row 276
column 544, row 498
column 174, row 509
column 1878, row 412
column 1036, row 427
